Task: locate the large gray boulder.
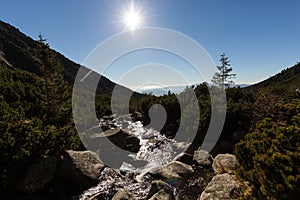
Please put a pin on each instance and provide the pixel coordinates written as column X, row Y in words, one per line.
column 79, row 170
column 123, row 195
column 123, row 139
column 162, row 195
column 157, row 186
column 225, row 163
column 108, row 145
column 222, row 186
column 175, row 169
column 227, row 186
column 36, row 176
column 203, row 158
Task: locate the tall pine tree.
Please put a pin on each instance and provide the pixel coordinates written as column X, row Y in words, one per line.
column 224, row 76
column 56, row 94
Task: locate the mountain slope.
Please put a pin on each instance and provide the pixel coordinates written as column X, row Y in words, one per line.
column 27, row 132
column 18, row 52
column 287, row 80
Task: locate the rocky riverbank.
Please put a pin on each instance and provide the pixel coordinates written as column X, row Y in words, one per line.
column 79, row 175
column 84, row 175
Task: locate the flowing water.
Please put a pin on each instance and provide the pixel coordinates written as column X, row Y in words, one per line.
column 156, row 150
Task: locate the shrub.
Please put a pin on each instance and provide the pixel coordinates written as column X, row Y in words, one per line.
column 27, row 141
column 269, row 157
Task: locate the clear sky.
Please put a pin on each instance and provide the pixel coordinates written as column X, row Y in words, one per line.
column 260, row 37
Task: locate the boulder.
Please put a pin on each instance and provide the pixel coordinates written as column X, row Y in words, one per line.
column 123, row 139
column 184, row 158
column 162, row 195
column 222, row 186
column 227, row 186
column 37, row 175
column 79, row 170
column 203, row 158
column 122, row 195
column 157, row 186
column 113, row 146
column 175, row 169
column 225, row 163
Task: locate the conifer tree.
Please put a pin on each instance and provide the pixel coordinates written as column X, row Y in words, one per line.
column 224, row 76
column 56, row 95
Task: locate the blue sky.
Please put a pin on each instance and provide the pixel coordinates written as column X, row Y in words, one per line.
column 260, row 37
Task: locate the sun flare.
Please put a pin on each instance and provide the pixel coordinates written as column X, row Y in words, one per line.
column 132, row 18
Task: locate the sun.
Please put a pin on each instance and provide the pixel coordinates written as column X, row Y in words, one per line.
column 132, row 18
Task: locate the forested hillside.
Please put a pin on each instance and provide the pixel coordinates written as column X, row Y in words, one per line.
column 36, row 110
column 26, row 136
column 287, row 81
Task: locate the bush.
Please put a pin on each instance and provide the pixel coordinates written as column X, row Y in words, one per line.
column 269, row 157
column 27, row 141
column 24, row 137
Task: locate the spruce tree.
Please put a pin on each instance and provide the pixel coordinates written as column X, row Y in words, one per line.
column 224, row 76
column 56, row 94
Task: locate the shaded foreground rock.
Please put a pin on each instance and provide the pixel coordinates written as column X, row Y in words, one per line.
column 225, row 163
column 162, row 195
column 37, row 175
column 184, row 158
column 109, row 145
column 79, row 170
column 203, row 158
column 122, row 195
column 226, row 186
column 123, row 139
column 222, row 186
column 175, row 169
column 158, row 186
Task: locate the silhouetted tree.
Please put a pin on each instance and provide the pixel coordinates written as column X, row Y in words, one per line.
column 224, row 76
column 55, row 92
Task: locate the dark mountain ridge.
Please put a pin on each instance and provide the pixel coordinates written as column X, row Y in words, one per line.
column 18, row 51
